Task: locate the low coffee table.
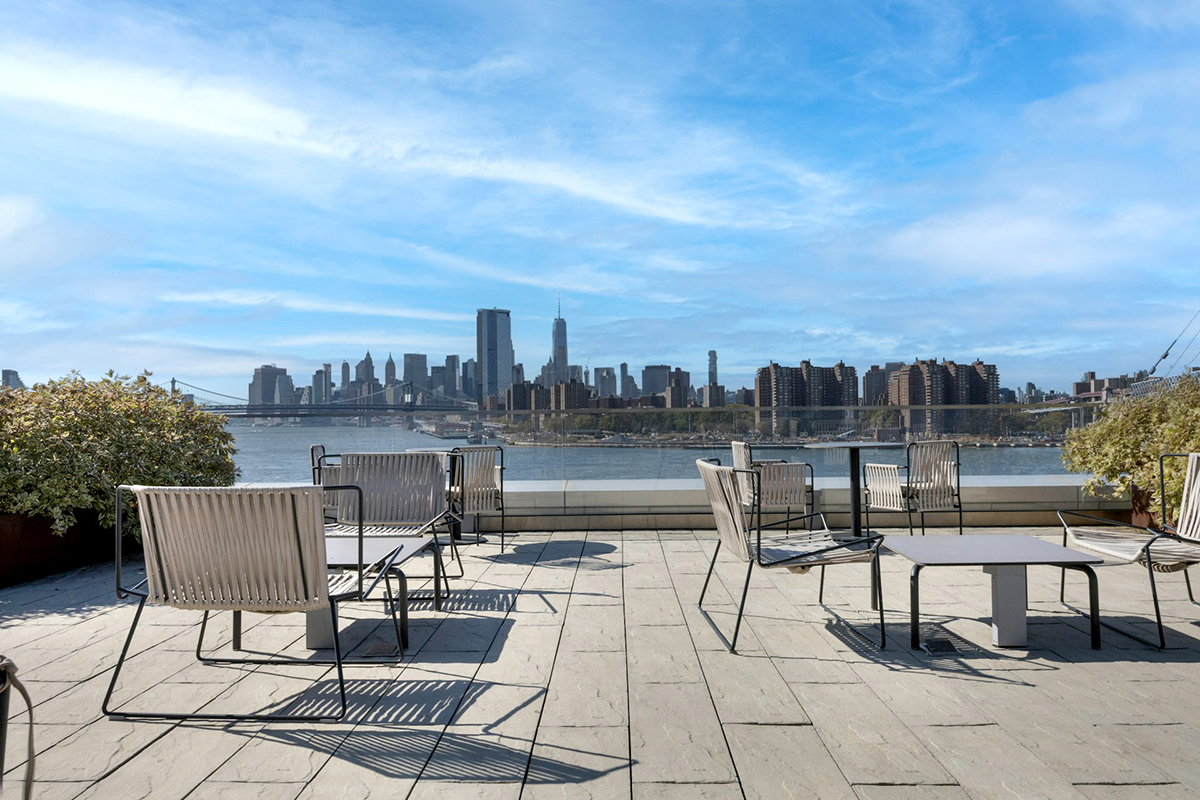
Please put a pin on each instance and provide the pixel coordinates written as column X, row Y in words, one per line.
column 1004, row 557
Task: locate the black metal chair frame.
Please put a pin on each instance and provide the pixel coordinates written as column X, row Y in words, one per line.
column 809, row 492
column 136, row 591
column 1166, row 532
column 457, row 477
column 907, row 491
column 876, row 582
column 447, row 519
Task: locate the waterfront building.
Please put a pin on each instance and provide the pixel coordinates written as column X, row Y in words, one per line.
column 685, row 380
column 714, row 396
column 606, row 382
column 10, row 379
column 926, row 382
column 285, row 390
column 569, row 396
column 437, row 379
column 655, row 378
column 493, row 346
column 416, row 371
column 1093, row 388
column 875, row 386
column 389, row 371
column 676, row 394
column 558, row 349
column 712, row 367
column 527, row 396
column 778, row 389
column 453, row 377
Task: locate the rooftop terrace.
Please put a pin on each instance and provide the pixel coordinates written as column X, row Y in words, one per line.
column 576, row 665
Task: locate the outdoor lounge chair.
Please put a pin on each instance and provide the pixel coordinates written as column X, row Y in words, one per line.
column 742, row 532
column 403, row 502
column 237, row 549
column 477, row 484
column 931, row 483
column 1171, row 548
column 781, row 485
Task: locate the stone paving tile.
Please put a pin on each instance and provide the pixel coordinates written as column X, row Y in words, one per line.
column 171, row 767
column 432, row 790
column 749, row 689
column 92, row 752
column 990, row 763
column 587, row 689
column 374, row 761
column 224, row 790
column 687, row 791
column 595, row 628
column 283, row 752
column 785, row 761
column 662, row 654
column 1164, row 746
column 578, row 764
column 652, row 607
column 867, row 792
column 1171, row 791
column 867, row 741
column 675, row 735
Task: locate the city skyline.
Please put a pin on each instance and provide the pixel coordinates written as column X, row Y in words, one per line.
column 199, row 190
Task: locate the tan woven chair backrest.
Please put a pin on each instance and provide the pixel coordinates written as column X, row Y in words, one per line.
column 229, row 549
column 476, row 479
column 1188, row 525
column 721, row 488
column 934, row 473
column 398, row 488
column 743, row 458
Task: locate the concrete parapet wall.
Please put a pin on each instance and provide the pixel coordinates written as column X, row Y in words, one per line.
column 988, row 500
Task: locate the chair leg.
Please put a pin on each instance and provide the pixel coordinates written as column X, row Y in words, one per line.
column 200, row 641
column 787, row 525
column 137, row 615
column 337, row 649
column 960, row 521
column 1188, row 581
column 402, row 579
column 908, row 510
column 704, row 588
column 821, row 586
column 237, row 630
column 391, row 599
column 878, row 575
column 737, row 627
column 1162, row 638
column 922, row 522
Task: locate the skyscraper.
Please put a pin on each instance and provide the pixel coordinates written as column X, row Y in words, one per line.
column 655, row 378
column 468, row 377
column 11, row 379
column 453, row 379
column 606, row 382
column 322, row 386
column 389, row 371
column 415, row 371
column 624, row 388
column 559, row 349
column 494, row 351
column 345, row 375
column 364, row 371
column 262, row 389
column 712, row 367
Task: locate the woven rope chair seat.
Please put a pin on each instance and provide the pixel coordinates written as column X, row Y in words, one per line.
column 1166, row 555
column 795, row 547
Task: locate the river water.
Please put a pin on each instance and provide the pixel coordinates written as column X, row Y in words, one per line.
column 281, row 454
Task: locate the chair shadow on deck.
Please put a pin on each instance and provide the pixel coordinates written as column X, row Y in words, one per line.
column 419, row 745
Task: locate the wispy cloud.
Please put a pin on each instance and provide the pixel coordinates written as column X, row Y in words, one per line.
column 293, row 302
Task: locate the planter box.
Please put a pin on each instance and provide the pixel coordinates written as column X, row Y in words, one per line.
column 28, row 550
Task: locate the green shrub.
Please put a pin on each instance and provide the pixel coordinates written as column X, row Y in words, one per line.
column 1122, row 446
column 67, row 444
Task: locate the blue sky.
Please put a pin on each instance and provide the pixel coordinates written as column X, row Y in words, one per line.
column 199, row 188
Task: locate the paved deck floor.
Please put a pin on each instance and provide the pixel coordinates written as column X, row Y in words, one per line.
column 576, row 665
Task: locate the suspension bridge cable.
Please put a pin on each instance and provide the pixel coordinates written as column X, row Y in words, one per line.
column 1167, row 352
column 212, row 393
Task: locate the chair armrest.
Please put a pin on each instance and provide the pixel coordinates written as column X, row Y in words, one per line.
column 1103, row 521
